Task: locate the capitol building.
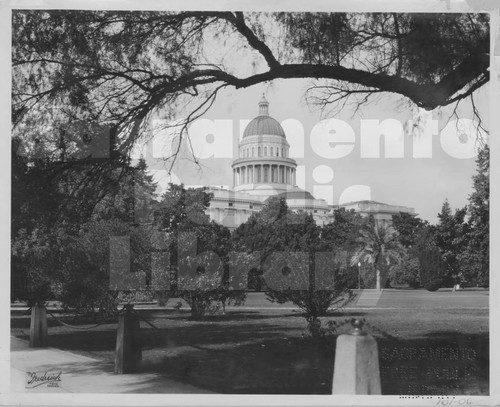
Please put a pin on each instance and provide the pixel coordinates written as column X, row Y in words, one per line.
column 264, row 169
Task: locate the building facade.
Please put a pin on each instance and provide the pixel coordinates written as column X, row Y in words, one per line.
column 263, row 169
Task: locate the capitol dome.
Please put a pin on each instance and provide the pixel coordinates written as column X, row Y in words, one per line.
column 263, row 123
column 263, row 166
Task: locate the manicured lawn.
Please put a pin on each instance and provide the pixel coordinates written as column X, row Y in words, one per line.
column 422, row 351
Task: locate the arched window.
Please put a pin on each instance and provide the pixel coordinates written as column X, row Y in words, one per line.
column 253, row 152
column 260, row 152
column 277, row 152
column 272, row 151
column 265, row 151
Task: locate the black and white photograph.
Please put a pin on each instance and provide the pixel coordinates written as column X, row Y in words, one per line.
column 243, row 204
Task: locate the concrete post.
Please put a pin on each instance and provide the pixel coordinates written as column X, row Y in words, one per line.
column 38, row 327
column 356, row 368
column 128, row 349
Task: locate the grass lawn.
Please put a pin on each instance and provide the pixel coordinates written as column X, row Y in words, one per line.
column 421, row 351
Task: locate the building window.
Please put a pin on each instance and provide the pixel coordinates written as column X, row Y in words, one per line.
column 272, row 151
column 260, row 152
column 250, row 206
column 278, row 152
column 253, row 152
column 265, row 151
column 230, row 204
column 315, row 211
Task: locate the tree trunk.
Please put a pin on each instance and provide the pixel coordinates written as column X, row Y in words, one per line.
column 378, row 280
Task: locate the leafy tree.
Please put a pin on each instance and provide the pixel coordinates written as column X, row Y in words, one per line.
column 340, row 236
column 292, row 255
column 34, row 261
column 72, row 264
column 408, row 227
column 451, row 233
column 53, row 204
column 407, row 272
column 343, row 230
column 120, row 67
column 379, row 246
column 199, row 250
column 132, row 198
column 429, row 257
column 264, row 232
column 84, row 275
column 474, row 260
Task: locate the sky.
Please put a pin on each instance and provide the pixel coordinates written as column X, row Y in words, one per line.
column 343, row 159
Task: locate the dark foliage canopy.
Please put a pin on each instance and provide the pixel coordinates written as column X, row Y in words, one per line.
column 119, row 67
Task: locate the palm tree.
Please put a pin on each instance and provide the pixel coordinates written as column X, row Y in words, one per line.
column 379, row 244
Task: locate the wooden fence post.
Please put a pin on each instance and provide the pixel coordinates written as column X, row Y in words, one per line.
column 128, row 349
column 356, row 368
column 38, row 327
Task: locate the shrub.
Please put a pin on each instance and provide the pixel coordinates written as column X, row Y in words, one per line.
column 314, row 301
column 408, row 272
column 433, row 285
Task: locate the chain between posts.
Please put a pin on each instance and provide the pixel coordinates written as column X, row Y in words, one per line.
column 74, row 326
column 146, row 321
column 124, row 309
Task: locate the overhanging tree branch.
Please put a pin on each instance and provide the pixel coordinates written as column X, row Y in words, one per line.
column 120, row 67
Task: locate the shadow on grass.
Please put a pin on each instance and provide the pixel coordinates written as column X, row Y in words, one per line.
column 439, row 362
column 305, row 366
column 242, row 353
